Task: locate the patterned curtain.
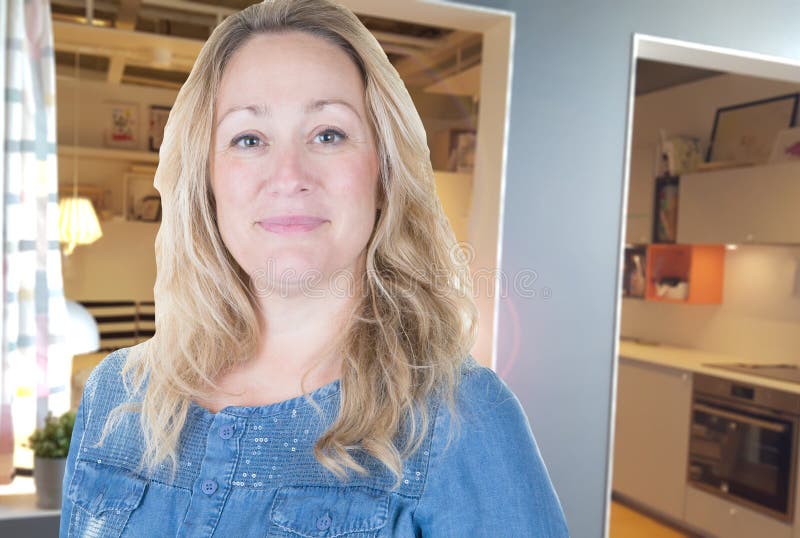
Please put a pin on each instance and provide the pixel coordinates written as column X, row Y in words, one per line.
column 34, row 370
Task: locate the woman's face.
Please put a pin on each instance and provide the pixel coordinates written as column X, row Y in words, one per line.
column 294, row 167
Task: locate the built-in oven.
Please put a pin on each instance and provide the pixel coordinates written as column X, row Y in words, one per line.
column 743, row 444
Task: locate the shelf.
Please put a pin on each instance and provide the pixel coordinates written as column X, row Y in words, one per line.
column 108, row 154
column 699, row 267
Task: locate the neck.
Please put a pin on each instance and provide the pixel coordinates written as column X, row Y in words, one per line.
column 302, row 331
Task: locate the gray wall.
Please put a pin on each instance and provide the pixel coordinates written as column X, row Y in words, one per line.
column 563, row 207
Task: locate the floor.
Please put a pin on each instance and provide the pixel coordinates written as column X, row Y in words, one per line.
column 628, row 523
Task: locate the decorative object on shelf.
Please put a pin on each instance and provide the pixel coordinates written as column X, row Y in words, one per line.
column 122, row 125
column 158, row 121
column 686, row 274
column 672, row 288
column 151, row 209
column 138, row 186
column 746, row 132
column 77, row 219
column 678, row 155
column 461, row 155
column 787, row 146
column 665, row 221
column 634, row 282
column 50, row 445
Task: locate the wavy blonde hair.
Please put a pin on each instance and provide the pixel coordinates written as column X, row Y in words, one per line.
column 415, row 321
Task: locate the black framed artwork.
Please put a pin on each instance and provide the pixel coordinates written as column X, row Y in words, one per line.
column 746, row 133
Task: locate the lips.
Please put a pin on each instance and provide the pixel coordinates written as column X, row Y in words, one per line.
column 291, row 223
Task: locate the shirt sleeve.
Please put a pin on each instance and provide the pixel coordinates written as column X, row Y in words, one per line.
column 490, row 480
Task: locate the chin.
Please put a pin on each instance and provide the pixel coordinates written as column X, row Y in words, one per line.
column 286, row 273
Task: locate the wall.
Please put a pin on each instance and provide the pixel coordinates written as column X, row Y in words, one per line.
column 760, row 315
column 564, row 204
column 120, row 265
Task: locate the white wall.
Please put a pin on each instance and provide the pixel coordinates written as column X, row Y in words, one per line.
column 121, row 265
column 760, row 314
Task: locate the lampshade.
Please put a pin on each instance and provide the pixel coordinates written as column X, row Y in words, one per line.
column 77, row 223
column 84, row 336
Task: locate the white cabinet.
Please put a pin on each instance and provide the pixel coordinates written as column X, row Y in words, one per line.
column 652, row 435
column 725, row 519
column 757, row 204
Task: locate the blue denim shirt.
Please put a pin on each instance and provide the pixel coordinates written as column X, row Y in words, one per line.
column 250, row 472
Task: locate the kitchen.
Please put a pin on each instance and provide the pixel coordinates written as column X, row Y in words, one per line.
column 708, row 391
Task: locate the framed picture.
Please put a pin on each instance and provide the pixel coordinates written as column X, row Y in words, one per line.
column 461, row 154
column 747, row 132
column 634, row 283
column 665, row 213
column 787, row 146
column 122, row 125
column 151, row 209
column 158, row 120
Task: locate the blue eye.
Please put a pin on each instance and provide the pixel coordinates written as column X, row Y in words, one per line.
column 328, row 136
column 250, row 141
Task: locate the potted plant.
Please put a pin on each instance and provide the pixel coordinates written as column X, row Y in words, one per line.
column 50, row 446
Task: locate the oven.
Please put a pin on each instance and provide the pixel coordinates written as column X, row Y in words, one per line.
column 743, row 444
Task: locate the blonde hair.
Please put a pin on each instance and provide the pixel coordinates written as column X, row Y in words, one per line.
column 415, row 321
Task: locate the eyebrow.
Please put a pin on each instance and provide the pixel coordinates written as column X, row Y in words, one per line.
column 262, row 110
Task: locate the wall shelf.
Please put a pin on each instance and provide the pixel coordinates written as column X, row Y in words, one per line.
column 110, row 154
column 700, row 267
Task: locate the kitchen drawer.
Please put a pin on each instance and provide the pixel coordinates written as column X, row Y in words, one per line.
column 726, row 519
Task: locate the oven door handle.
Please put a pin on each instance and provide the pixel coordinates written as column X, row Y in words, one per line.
column 772, row 426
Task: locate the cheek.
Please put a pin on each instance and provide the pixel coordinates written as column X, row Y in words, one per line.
column 361, row 184
column 227, row 181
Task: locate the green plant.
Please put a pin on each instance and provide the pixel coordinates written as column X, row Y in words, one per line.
column 52, row 441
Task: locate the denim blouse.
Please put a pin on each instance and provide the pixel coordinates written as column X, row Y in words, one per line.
column 250, row 472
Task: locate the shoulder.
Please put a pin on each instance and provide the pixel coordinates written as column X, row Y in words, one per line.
column 483, row 455
column 106, row 387
column 481, row 395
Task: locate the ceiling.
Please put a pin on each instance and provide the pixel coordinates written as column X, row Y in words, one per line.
column 155, row 42
column 652, row 76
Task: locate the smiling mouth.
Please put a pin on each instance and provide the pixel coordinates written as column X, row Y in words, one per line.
column 291, row 224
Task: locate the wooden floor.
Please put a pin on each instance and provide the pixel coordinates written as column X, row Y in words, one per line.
column 628, row 523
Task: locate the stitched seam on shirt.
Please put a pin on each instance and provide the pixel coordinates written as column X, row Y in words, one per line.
column 430, row 456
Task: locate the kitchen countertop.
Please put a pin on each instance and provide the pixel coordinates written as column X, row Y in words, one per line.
column 693, row 360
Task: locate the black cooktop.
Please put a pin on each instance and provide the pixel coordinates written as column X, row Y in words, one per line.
column 780, row 371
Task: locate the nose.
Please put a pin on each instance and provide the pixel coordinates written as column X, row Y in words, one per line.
column 288, row 173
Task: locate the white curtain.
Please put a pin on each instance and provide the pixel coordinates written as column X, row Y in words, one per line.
column 34, row 370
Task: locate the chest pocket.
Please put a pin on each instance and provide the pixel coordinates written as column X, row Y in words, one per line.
column 104, row 497
column 328, row 512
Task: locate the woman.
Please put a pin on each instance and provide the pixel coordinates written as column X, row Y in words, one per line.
column 310, row 373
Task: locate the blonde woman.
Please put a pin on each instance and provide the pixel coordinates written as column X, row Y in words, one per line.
column 310, row 373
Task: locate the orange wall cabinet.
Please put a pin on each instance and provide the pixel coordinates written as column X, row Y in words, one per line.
column 685, row 274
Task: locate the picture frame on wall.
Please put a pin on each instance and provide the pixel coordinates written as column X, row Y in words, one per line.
column 122, row 125
column 151, row 209
column 158, row 121
column 746, row 133
column 461, row 154
column 665, row 214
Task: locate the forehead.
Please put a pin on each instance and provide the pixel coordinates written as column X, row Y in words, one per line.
column 289, row 66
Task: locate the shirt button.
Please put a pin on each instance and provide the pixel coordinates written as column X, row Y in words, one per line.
column 226, row 431
column 323, row 522
column 209, row 487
